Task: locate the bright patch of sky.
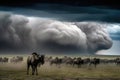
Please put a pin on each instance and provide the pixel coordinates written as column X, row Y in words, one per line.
column 114, row 28
column 114, row 50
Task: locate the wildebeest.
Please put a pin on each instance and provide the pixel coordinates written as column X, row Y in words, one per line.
column 57, row 61
column 69, row 61
column 117, row 61
column 48, row 59
column 78, row 61
column 16, row 59
column 4, row 59
column 94, row 61
column 34, row 60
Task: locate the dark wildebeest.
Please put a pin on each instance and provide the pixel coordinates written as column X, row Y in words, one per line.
column 94, row 61
column 117, row 61
column 69, row 61
column 34, row 61
column 4, row 60
column 78, row 61
column 56, row 61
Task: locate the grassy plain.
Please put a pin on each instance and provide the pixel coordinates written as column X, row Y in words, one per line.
column 10, row 71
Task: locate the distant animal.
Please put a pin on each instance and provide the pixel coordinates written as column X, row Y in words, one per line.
column 69, row 61
column 34, row 61
column 78, row 61
column 57, row 61
column 94, row 61
column 4, row 60
column 16, row 59
column 86, row 60
column 117, row 61
column 47, row 59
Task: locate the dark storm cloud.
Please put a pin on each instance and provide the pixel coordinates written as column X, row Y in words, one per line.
column 25, row 3
column 97, row 36
column 25, row 33
column 69, row 13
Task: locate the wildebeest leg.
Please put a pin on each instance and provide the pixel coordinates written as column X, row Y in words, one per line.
column 73, row 64
column 39, row 65
column 33, row 70
column 95, row 65
column 58, row 65
column 51, row 63
column 89, row 64
column 80, row 65
column 118, row 63
column 28, row 66
column 36, row 70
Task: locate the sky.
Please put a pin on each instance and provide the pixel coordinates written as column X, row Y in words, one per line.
column 55, row 28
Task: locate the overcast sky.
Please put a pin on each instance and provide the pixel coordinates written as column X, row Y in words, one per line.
column 58, row 28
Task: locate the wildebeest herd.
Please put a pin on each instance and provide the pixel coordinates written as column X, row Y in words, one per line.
column 15, row 59
column 78, row 61
column 36, row 60
column 4, row 59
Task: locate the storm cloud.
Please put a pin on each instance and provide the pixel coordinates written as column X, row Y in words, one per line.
column 26, row 33
column 68, row 12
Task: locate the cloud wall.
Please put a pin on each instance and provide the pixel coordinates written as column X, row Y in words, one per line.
column 25, row 33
